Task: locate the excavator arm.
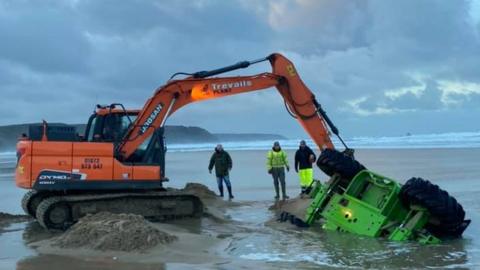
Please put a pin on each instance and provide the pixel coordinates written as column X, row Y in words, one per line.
column 170, row 97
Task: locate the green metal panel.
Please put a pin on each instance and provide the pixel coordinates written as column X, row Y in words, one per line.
column 369, row 206
column 346, row 213
column 313, row 211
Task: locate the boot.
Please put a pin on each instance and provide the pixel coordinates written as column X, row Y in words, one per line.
column 230, row 196
column 284, row 192
column 220, row 188
column 277, row 191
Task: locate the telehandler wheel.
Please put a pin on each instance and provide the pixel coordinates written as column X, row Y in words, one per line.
column 332, row 161
column 447, row 214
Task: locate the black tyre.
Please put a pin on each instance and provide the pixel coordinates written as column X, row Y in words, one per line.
column 448, row 216
column 332, row 161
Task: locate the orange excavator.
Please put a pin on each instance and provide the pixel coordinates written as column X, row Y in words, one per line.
column 118, row 165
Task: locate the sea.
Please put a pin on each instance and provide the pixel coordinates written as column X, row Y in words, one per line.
column 440, row 140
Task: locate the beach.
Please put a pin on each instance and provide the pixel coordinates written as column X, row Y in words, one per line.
column 249, row 239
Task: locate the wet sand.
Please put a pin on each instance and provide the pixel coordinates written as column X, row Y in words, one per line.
column 246, row 239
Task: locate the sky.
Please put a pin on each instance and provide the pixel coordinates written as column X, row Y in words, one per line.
column 379, row 68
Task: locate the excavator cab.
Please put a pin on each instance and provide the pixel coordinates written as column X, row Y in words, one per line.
column 109, row 124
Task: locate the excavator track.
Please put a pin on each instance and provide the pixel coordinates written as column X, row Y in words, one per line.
column 31, row 200
column 60, row 212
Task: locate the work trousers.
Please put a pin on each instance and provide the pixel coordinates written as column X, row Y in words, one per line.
column 278, row 175
column 221, row 180
column 306, row 177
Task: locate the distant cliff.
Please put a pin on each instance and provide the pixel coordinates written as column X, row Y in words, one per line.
column 173, row 135
column 245, row 137
column 182, row 134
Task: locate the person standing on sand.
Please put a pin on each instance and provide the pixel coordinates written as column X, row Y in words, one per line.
column 304, row 157
column 276, row 164
column 223, row 164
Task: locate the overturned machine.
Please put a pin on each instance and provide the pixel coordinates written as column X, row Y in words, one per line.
column 362, row 202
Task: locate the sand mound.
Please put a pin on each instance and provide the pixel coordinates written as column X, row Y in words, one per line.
column 296, row 207
column 11, row 217
column 117, row 232
column 7, row 219
column 202, row 191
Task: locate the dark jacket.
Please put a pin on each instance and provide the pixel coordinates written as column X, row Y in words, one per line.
column 222, row 162
column 302, row 158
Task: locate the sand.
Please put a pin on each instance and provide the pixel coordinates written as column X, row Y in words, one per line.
column 200, row 190
column 116, row 232
column 7, row 219
column 130, row 238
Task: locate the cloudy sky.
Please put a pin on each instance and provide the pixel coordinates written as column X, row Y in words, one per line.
column 378, row 67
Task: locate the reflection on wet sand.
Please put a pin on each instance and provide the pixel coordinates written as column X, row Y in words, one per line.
column 56, row 262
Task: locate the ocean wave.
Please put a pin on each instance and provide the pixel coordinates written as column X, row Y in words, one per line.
column 7, row 154
column 441, row 140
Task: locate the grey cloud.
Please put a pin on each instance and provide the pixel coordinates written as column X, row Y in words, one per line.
column 46, row 37
column 213, row 20
column 57, row 59
column 429, row 98
column 316, row 27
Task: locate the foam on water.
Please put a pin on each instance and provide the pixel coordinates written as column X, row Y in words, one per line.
column 317, row 258
column 441, row 140
column 7, row 154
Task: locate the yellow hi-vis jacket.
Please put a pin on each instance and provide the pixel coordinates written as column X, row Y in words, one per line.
column 276, row 159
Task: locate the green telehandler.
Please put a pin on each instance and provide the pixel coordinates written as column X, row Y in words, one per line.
column 362, row 202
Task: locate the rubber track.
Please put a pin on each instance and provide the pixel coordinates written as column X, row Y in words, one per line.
column 98, row 198
column 42, row 210
column 26, row 200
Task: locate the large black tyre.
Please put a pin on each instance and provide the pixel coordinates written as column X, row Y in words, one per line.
column 447, row 214
column 332, row 161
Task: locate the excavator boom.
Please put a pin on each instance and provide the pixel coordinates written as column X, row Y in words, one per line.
column 177, row 93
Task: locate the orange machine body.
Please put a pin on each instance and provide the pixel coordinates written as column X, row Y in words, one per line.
column 80, row 163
